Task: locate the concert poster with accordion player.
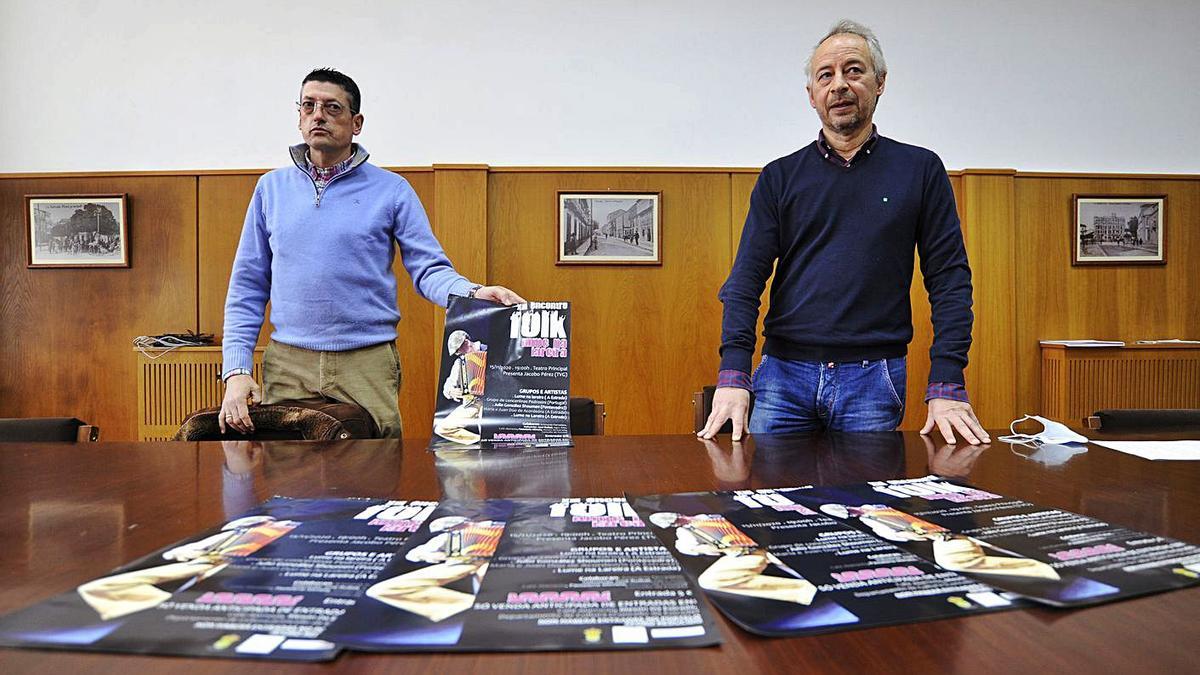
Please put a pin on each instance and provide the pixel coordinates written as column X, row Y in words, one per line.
column 776, row 567
column 577, row 573
column 504, row 377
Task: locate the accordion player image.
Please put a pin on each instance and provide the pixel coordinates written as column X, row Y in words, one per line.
column 128, row 592
column 459, row 551
column 740, row 562
column 954, row 552
column 465, row 384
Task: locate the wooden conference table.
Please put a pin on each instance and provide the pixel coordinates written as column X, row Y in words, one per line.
column 69, row 513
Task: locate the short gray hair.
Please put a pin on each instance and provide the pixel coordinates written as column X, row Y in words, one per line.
column 848, row 27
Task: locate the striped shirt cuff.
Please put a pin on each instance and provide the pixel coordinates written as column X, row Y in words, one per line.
column 733, row 378
column 234, row 371
column 948, row 390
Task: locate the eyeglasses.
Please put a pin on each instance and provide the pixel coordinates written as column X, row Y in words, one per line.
column 331, row 108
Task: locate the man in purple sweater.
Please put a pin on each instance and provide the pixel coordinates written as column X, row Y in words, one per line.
column 318, row 242
column 836, row 222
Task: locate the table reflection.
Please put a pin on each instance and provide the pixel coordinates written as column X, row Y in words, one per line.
column 305, row 468
column 479, row 474
column 830, row 458
column 952, row 461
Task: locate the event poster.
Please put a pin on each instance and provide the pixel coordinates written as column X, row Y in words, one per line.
column 778, row 568
column 1045, row 554
column 264, row 585
column 504, row 377
column 529, row 574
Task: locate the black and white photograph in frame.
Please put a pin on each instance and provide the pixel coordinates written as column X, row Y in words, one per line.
column 609, row 228
column 1112, row 230
column 77, row 230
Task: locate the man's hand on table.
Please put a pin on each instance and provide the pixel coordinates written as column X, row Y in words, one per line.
column 950, row 416
column 729, row 403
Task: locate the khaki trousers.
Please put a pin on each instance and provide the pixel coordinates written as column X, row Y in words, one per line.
column 368, row 377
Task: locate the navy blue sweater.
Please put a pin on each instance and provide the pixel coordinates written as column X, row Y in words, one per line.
column 843, row 238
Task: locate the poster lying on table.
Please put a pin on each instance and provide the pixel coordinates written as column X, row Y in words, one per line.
column 264, row 585
column 529, row 574
column 778, row 568
column 1049, row 555
column 504, row 377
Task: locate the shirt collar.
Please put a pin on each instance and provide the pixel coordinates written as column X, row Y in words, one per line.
column 832, row 156
column 328, row 173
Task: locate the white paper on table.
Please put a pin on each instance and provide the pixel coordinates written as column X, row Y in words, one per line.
column 1156, row 449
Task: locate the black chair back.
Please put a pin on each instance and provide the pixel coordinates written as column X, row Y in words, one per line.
column 46, row 430
column 1183, row 419
column 587, row 416
column 702, row 401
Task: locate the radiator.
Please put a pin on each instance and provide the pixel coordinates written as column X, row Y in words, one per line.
column 1079, row 381
column 178, row 383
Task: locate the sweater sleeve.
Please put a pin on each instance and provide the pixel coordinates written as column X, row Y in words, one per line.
column 757, row 251
column 249, row 289
column 947, row 277
column 432, row 274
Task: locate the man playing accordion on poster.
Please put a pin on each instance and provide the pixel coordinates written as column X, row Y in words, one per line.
column 460, row 549
column 740, row 560
column 954, row 552
column 129, row 592
column 465, row 384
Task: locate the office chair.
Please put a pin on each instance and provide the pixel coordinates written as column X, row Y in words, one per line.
column 317, row 419
column 1181, row 419
column 47, row 429
column 702, row 403
column 587, row 417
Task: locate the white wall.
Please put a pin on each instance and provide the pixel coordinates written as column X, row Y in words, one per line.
column 1027, row 84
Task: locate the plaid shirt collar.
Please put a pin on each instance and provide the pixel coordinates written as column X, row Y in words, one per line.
column 833, row 157
column 323, row 174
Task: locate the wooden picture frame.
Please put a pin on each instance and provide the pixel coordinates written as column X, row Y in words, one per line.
column 82, row 230
column 609, row 228
column 1118, row 229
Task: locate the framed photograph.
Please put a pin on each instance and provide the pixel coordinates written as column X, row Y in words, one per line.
column 1110, row 230
column 609, row 228
column 77, row 230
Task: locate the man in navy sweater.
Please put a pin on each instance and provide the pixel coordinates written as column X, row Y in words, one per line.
column 837, row 222
column 318, row 242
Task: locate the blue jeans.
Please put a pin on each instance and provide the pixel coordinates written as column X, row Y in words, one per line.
column 796, row 396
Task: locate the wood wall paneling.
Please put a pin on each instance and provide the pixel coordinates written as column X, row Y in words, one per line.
column 67, row 333
column 415, row 332
column 988, row 230
column 644, row 338
column 1054, row 300
column 223, row 202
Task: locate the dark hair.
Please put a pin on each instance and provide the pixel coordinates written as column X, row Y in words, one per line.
column 340, row 79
